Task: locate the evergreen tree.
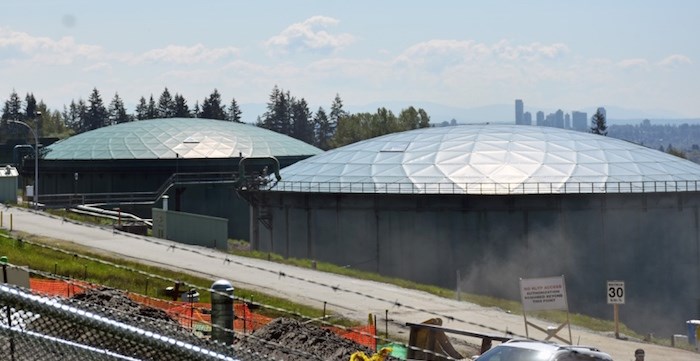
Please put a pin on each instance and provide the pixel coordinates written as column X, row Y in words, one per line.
column 52, row 123
column 267, row 121
column 151, row 109
column 234, row 112
column 598, row 123
column 196, row 112
column 74, row 115
column 278, row 116
column 181, row 108
column 142, row 109
column 212, row 108
column 166, row 105
column 30, row 108
column 302, row 128
column 336, row 113
column 97, row 115
column 117, row 111
column 12, row 110
column 322, row 129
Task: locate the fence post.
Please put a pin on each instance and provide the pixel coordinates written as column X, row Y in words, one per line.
column 222, row 312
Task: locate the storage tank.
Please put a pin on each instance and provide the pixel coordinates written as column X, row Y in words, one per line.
column 495, row 203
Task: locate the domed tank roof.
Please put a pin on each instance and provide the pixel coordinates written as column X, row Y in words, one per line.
column 178, row 137
column 491, row 159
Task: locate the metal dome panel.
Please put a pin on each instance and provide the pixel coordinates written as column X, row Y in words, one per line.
column 491, row 159
column 178, row 137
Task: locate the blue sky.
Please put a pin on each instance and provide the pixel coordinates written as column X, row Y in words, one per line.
column 552, row 54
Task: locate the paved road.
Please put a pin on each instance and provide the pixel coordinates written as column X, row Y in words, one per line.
column 351, row 297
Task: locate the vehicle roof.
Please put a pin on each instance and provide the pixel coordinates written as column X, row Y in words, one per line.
column 546, row 346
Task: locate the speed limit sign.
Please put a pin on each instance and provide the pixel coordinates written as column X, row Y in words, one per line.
column 616, row 292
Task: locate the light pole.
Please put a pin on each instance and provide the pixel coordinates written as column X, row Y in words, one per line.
column 36, row 156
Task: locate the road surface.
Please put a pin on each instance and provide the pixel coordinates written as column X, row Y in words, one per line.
column 353, row 298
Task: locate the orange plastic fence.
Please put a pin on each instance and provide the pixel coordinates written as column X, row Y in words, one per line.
column 364, row 335
column 57, row 287
column 196, row 315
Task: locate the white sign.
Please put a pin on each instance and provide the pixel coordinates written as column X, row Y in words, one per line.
column 616, row 292
column 539, row 294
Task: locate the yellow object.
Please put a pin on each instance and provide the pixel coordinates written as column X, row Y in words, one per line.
column 379, row 356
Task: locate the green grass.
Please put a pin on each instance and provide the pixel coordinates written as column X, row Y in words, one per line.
column 71, row 263
column 84, row 218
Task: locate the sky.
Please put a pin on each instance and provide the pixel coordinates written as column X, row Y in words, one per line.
column 633, row 54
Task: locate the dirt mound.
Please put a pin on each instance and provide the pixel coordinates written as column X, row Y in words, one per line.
column 116, row 300
column 283, row 339
column 309, row 341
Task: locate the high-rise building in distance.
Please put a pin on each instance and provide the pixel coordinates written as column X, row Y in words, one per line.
column 518, row 111
column 579, row 121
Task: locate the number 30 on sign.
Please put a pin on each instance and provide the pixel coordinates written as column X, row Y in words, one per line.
column 616, row 292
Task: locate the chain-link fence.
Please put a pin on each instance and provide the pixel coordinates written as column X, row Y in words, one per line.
column 34, row 327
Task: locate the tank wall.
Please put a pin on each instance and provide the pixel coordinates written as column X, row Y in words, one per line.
column 650, row 241
column 216, row 200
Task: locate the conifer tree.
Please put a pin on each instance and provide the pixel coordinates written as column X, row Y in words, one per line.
column 142, row 109
column 74, row 115
column 302, row 128
column 166, row 105
column 117, row 111
column 278, row 116
column 97, row 115
column 181, row 108
column 598, row 123
column 152, row 109
column 212, row 108
column 335, row 115
column 12, row 110
column 234, row 112
column 322, row 129
column 30, row 108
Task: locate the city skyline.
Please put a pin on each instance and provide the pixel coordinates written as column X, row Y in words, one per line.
column 456, row 54
column 576, row 119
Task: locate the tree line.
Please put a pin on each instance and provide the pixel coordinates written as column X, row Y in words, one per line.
column 285, row 114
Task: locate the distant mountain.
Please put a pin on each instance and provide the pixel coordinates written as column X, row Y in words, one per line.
column 497, row 113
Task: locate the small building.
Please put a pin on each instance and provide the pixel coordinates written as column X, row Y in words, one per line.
column 8, row 184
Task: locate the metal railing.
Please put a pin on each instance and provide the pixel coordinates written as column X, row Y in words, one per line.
column 486, row 188
column 74, row 199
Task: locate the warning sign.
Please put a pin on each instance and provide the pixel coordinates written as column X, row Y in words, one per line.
column 540, row 294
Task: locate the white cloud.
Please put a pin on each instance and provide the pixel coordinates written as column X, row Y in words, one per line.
column 43, row 50
column 309, row 35
column 439, row 55
column 675, row 60
column 635, row 63
column 184, row 55
column 97, row 67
